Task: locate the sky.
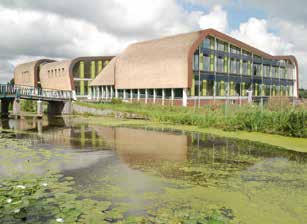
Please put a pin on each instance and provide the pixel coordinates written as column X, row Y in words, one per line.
column 32, row 29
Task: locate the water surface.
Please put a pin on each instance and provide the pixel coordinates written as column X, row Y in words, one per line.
column 58, row 170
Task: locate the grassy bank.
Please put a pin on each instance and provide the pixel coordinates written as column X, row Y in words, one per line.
column 281, row 119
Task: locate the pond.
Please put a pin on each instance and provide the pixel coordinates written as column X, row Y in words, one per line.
column 58, row 170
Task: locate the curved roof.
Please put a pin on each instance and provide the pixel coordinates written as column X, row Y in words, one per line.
column 26, row 74
column 166, row 62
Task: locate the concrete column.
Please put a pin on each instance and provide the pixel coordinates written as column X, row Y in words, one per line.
column 116, row 93
column 146, row 95
column 39, row 109
column 163, row 96
column 58, row 108
column 139, row 94
column 103, row 93
column 89, row 95
column 112, row 92
column 40, row 126
column 16, row 108
column 154, row 95
column 107, row 92
column 184, row 97
column 98, row 93
column 131, row 95
column 124, row 94
column 92, row 94
column 5, row 108
column 173, row 96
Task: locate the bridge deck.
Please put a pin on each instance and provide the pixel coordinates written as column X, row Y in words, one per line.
column 12, row 91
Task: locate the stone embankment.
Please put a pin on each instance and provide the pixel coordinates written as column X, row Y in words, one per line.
column 78, row 109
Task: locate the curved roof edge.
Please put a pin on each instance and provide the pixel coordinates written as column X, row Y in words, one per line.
column 34, row 65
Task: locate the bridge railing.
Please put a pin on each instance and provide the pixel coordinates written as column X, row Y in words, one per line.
column 24, row 91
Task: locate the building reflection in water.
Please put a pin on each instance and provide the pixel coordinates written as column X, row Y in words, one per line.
column 132, row 144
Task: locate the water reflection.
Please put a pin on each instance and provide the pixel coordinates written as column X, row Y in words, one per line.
column 130, row 165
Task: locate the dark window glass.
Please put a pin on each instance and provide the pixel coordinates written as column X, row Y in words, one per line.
column 76, row 70
column 87, row 69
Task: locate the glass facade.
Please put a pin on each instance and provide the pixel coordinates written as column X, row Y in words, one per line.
column 227, row 70
column 84, row 71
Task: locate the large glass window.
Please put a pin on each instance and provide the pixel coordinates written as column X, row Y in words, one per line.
column 234, row 50
column 76, row 70
column 245, row 68
column 257, row 70
column 220, row 87
column 266, row 71
column 220, row 46
column 87, row 69
column 220, row 64
column 195, row 62
column 206, row 43
column 210, row 87
column 234, row 66
column 206, row 63
column 282, row 72
column 77, row 87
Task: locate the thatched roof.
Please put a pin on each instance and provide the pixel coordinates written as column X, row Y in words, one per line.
column 107, row 78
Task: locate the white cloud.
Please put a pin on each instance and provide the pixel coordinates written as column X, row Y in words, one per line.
column 255, row 32
column 55, row 29
column 289, row 40
column 216, row 19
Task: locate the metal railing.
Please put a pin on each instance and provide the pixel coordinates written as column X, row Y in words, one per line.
column 32, row 92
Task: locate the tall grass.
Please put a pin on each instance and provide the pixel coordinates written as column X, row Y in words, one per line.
column 284, row 120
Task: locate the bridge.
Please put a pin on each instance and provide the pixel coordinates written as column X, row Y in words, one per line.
column 59, row 101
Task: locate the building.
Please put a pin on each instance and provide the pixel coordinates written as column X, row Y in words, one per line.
column 73, row 75
column 28, row 74
column 199, row 68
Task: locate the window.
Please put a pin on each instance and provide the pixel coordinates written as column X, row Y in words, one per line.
column 76, row 70
column 282, row 73
column 206, row 43
column 245, row 68
column 220, row 87
column 234, row 66
column 220, row 64
column 257, row 70
column 245, row 53
column 210, row 89
column 206, row 63
column 266, row 70
column 77, row 87
column 195, row 62
column 234, row 50
column 220, row 46
column 178, row 93
column 87, row 69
